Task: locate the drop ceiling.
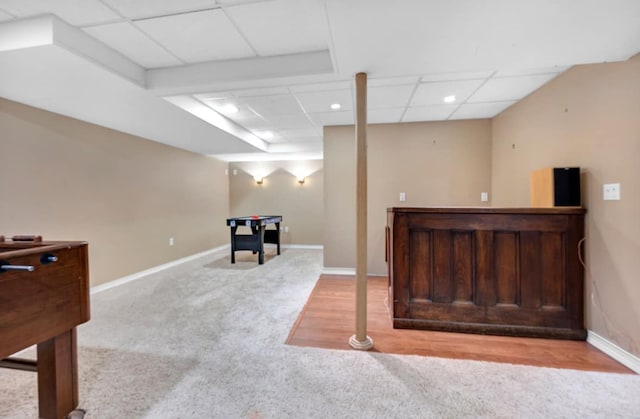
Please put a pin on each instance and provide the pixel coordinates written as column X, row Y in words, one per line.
column 169, row 70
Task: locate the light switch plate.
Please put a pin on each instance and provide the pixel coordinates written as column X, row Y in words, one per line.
column 403, row 196
column 611, row 192
column 484, row 196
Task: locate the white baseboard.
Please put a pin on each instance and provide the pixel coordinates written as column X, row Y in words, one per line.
column 345, row 271
column 120, row 281
column 614, row 351
column 338, row 271
column 302, row 246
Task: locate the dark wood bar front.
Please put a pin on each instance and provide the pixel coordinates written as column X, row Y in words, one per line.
column 503, row 271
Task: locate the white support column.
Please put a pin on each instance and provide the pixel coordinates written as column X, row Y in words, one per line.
column 360, row 340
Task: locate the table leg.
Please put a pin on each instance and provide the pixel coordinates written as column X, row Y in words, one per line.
column 233, row 244
column 278, row 236
column 58, row 376
column 261, row 251
column 255, row 231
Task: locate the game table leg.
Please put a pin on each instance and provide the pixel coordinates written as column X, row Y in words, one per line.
column 233, row 244
column 58, row 376
column 261, row 245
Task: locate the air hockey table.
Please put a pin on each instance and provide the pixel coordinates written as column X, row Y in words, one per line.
column 260, row 234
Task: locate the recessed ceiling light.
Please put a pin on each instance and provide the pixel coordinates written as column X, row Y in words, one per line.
column 230, row 108
column 335, row 106
column 449, row 99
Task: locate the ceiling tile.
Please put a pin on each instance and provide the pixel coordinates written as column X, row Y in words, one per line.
column 432, row 93
column 265, row 91
column 428, row 113
column 480, row 110
column 197, row 37
column 126, row 39
column 274, row 105
column 391, row 81
column 509, row 88
column 5, row 16
column 282, row 26
column 456, row 76
column 318, row 87
column 389, row 96
column 384, row 116
column 332, row 118
column 147, row 8
column 85, row 12
column 530, row 71
column 232, row 2
column 313, row 102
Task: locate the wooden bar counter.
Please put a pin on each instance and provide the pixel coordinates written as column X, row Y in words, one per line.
column 502, row 271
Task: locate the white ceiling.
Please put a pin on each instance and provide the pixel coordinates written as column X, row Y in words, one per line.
column 167, row 69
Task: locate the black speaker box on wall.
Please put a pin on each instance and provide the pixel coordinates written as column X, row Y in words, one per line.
column 566, row 187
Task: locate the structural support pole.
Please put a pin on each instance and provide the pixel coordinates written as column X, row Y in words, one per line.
column 360, row 340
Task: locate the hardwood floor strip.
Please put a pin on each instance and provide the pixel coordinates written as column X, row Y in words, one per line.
column 328, row 318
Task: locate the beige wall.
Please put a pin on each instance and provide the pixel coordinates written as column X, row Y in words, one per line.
column 434, row 163
column 587, row 117
column 301, row 206
column 70, row 180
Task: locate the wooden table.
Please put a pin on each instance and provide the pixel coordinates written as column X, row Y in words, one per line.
column 44, row 295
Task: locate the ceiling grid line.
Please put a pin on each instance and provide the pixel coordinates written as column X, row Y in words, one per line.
column 472, row 93
column 139, row 30
column 240, row 31
column 413, row 92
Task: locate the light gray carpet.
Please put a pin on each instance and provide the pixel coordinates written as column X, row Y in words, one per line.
column 206, row 340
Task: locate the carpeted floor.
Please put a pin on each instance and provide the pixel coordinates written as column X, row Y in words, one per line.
column 206, row 340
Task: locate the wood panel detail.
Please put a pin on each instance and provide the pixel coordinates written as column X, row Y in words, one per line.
column 420, row 271
column 507, row 277
column 487, row 270
column 463, row 267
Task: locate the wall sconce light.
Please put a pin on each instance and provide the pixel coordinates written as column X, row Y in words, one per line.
column 301, row 180
column 258, row 180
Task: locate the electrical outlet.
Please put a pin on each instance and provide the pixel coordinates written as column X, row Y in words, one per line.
column 286, row 229
column 484, row 196
column 170, row 241
column 611, row 192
